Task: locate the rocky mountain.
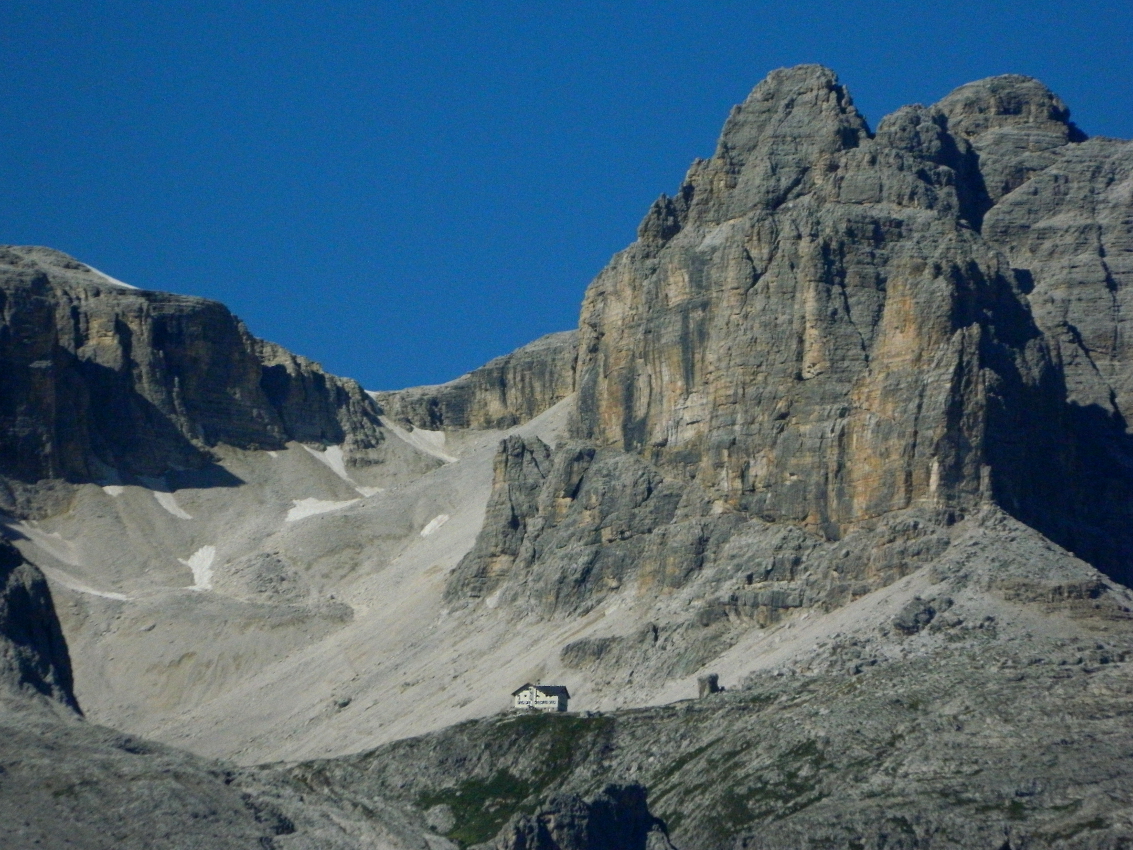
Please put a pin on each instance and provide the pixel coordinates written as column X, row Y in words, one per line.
column 844, row 428
column 68, row 783
column 811, row 365
column 816, row 329
column 958, row 713
column 107, row 383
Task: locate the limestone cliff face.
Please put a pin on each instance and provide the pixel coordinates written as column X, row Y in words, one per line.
column 519, row 471
column 571, row 529
column 813, row 329
column 561, row 533
column 504, row 392
column 314, row 406
column 1071, row 229
column 95, row 376
column 1014, row 127
column 1063, row 218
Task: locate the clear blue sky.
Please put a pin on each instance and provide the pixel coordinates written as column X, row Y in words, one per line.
column 404, row 190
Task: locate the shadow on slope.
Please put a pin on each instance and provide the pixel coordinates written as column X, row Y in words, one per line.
column 33, row 651
column 1086, row 500
column 81, row 422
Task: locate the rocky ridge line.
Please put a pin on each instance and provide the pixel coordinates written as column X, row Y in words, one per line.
column 100, row 381
column 502, row 393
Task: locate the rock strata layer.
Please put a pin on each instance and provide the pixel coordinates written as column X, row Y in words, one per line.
column 826, row 324
column 819, row 335
column 569, row 531
column 832, row 335
column 500, row 394
column 98, row 379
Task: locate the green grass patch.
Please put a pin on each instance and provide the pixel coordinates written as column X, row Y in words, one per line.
column 902, row 825
column 550, row 744
column 73, row 790
column 553, row 741
column 671, row 769
column 1070, row 807
column 788, row 785
column 1077, row 829
column 1012, row 810
column 674, row 821
column 480, row 808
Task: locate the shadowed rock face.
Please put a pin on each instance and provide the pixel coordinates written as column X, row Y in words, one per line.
column 504, row 392
column 1069, row 232
column 33, row 652
column 617, row 819
column 96, row 377
column 519, row 471
column 1070, row 229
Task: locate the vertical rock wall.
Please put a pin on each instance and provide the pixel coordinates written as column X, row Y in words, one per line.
column 501, row 393
column 813, row 329
column 827, row 326
column 95, row 377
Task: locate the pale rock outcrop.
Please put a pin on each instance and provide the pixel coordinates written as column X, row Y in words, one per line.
column 503, row 392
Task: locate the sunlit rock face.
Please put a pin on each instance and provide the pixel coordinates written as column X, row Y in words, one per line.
column 503, row 392
column 815, row 329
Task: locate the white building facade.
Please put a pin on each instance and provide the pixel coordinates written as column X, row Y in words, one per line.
column 541, row 697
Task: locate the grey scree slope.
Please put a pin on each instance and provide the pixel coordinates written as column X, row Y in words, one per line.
column 846, row 425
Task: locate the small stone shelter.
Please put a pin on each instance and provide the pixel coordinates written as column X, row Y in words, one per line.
column 541, row 697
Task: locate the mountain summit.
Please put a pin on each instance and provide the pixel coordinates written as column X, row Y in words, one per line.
column 816, row 329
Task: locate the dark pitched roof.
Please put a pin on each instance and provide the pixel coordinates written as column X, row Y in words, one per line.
column 553, row 690
column 546, row 690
